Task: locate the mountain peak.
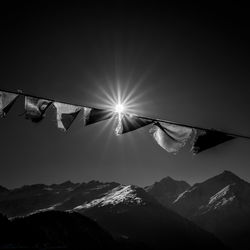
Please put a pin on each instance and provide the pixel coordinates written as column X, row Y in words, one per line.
column 127, row 194
column 213, row 193
column 167, row 190
column 227, row 172
column 67, row 183
column 94, row 182
column 167, row 178
column 64, row 185
column 170, row 179
column 229, row 176
column 226, row 177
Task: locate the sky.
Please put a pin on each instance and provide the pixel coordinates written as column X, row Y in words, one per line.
column 185, row 63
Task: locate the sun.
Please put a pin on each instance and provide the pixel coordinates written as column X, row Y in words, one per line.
column 119, row 96
column 119, row 108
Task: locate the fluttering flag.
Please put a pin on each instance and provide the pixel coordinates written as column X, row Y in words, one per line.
column 170, row 137
column 93, row 115
column 66, row 114
column 7, row 100
column 129, row 122
column 205, row 139
column 35, row 108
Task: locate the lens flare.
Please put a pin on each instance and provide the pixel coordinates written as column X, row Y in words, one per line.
column 120, row 92
column 119, row 108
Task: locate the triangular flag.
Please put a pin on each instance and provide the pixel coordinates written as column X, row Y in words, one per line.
column 205, row 139
column 129, row 122
column 6, row 102
column 35, row 108
column 93, row 115
column 170, row 137
column 66, row 114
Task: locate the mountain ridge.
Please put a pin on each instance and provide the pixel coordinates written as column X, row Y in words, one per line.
column 124, row 210
column 219, row 205
column 167, row 190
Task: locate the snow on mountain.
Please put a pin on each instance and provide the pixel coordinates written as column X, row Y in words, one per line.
column 167, row 190
column 213, row 193
column 218, row 201
column 182, row 195
column 123, row 209
column 30, row 199
column 219, row 195
column 120, row 194
column 221, row 198
column 129, row 210
column 220, row 205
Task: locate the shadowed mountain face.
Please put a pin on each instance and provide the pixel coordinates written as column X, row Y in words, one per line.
column 3, row 190
column 131, row 212
column 220, row 205
column 27, row 199
column 127, row 211
column 167, row 190
column 54, row 229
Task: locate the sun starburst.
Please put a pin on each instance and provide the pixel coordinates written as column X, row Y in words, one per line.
column 120, row 108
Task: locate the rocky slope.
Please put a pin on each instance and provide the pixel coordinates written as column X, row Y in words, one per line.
column 167, row 190
column 128, row 212
column 220, row 205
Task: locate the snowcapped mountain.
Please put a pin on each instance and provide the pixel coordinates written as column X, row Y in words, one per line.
column 86, row 192
column 167, row 190
column 220, row 205
column 120, row 194
column 126, row 211
column 39, row 197
column 30, row 198
column 131, row 212
column 223, row 198
column 213, row 194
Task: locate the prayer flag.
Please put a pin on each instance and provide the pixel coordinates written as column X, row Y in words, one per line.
column 7, row 100
column 170, row 137
column 128, row 122
column 205, row 139
column 93, row 115
column 35, row 108
column 66, row 114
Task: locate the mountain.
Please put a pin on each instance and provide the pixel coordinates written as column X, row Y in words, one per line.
column 39, row 197
column 220, row 205
column 3, row 190
column 30, row 198
column 54, row 229
column 129, row 213
column 167, row 190
column 152, row 216
column 86, row 192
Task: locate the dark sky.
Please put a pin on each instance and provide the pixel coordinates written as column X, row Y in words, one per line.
column 183, row 63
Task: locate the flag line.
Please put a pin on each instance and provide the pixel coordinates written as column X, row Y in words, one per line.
column 139, row 116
